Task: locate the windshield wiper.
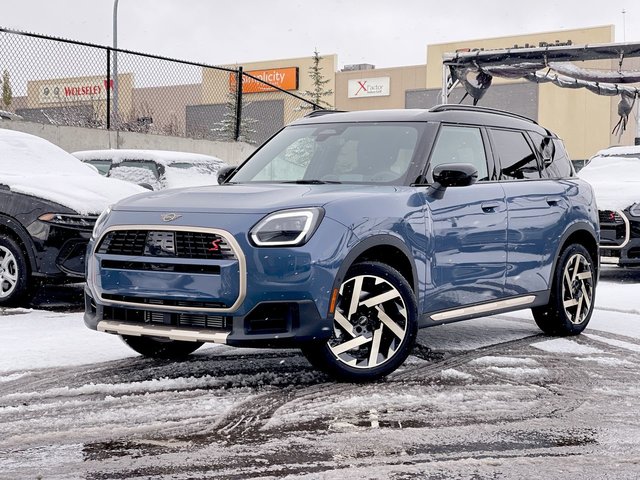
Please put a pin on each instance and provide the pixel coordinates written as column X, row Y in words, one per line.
column 311, row 182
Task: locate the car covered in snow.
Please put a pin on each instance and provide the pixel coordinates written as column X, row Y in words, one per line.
column 155, row 169
column 345, row 233
column 49, row 203
column 614, row 174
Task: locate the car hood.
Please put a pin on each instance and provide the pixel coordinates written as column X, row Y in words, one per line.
column 615, row 181
column 86, row 194
column 257, row 198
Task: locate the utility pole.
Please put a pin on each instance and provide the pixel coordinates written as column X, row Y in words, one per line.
column 115, row 61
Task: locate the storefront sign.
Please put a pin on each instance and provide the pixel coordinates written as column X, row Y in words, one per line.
column 284, row 78
column 73, row 91
column 369, row 87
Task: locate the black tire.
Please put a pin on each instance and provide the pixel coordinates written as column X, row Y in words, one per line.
column 15, row 284
column 387, row 329
column 156, row 347
column 572, row 294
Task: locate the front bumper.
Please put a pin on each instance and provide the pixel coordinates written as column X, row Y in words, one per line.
column 60, row 252
column 248, row 296
column 269, row 324
column 620, row 238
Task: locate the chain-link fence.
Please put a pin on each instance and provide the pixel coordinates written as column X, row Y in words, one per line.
column 63, row 82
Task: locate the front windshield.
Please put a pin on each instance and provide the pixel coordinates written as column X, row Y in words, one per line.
column 336, row 153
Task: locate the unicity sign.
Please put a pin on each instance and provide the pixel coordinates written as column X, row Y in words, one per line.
column 369, row 87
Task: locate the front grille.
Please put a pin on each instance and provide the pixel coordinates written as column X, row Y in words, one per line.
column 194, row 320
column 161, row 267
column 162, row 302
column 166, row 243
column 613, row 228
column 609, row 217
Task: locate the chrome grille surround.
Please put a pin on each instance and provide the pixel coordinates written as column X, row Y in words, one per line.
column 229, row 242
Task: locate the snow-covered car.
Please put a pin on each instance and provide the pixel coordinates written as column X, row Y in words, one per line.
column 49, row 203
column 614, row 174
column 155, row 169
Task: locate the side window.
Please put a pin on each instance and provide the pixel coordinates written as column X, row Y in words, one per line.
column 517, row 160
column 459, row 145
column 555, row 161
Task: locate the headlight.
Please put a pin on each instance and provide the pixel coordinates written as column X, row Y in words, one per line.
column 635, row 210
column 287, row 227
column 68, row 220
column 100, row 222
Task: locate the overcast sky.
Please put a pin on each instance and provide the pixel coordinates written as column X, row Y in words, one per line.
column 386, row 33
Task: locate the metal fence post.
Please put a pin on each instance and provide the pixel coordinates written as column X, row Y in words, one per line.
column 238, row 103
column 108, row 85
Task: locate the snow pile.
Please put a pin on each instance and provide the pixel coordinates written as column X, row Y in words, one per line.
column 615, row 181
column 563, row 345
column 33, row 166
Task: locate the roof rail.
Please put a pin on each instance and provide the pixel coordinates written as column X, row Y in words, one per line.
column 474, row 108
column 318, row 113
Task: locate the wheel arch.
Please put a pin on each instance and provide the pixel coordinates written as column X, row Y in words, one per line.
column 583, row 234
column 386, row 249
column 11, row 227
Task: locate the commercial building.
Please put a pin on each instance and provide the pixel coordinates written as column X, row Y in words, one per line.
column 198, row 108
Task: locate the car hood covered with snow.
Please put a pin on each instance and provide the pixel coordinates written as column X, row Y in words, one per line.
column 615, row 181
column 33, row 166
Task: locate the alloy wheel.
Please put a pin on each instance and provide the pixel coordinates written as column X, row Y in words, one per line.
column 370, row 322
column 577, row 288
column 8, row 272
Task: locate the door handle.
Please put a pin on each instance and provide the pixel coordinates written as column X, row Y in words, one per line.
column 552, row 201
column 490, row 207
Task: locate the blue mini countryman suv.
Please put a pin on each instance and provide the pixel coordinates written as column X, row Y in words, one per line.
column 348, row 231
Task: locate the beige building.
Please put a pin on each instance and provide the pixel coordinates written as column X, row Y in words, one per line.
column 583, row 119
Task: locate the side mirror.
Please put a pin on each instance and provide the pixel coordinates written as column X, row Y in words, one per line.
column 455, row 174
column 224, row 173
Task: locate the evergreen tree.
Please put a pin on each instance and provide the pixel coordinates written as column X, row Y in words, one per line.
column 226, row 129
column 7, row 94
column 318, row 93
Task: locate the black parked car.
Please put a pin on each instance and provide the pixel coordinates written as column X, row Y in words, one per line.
column 49, row 202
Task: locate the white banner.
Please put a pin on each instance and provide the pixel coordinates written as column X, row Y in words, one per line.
column 72, row 91
column 369, row 87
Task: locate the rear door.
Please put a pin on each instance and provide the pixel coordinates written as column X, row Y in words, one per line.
column 536, row 206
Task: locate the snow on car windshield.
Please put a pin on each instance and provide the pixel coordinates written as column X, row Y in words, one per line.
column 181, row 169
column 615, row 181
column 33, row 166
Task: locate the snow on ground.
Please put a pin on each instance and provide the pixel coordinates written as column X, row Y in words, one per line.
column 34, row 339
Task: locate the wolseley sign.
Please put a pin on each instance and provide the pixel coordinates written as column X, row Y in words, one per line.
column 284, row 78
column 369, row 87
column 73, row 91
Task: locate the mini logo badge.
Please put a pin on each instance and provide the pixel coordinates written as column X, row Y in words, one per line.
column 170, row 217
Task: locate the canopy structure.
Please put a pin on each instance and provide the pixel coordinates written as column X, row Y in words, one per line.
column 475, row 71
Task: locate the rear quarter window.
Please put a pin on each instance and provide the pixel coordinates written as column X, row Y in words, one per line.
column 554, row 158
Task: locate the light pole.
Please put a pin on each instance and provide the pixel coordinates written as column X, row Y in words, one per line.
column 115, row 59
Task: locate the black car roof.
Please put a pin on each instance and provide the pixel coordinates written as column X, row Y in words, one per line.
column 464, row 114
